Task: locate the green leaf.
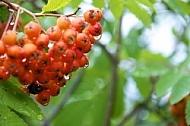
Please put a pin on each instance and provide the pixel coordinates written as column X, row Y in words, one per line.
column 178, row 6
column 117, row 8
column 148, row 71
column 140, row 12
column 75, row 3
column 74, row 114
column 132, row 43
column 147, row 3
column 99, row 3
column 17, row 100
column 9, row 118
column 180, row 89
column 4, row 15
column 54, row 5
column 150, row 58
column 166, row 82
column 187, row 111
column 141, row 83
column 119, row 97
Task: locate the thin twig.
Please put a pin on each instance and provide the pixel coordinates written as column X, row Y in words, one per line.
column 10, row 5
column 11, row 13
column 109, row 54
column 16, row 20
column 62, row 103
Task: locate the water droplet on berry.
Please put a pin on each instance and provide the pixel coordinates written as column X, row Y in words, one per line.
column 86, row 65
column 12, row 23
column 40, row 117
column 67, row 76
column 98, row 37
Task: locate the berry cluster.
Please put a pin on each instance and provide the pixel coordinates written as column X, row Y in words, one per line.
column 44, row 61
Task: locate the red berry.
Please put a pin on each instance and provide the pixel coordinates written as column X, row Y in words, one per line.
column 95, row 29
column 54, row 33
column 78, row 23
column 32, row 29
column 42, row 41
column 9, row 37
column 69, row 36
column 63, row 22
column 4, row 74
column 82, row 40
column 43, row 97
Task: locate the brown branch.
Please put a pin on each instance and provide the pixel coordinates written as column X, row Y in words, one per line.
column 108, row 53
column 114, row 77
column 10, row 5
column 57, row 109
column 142, row 105
column 11, row 13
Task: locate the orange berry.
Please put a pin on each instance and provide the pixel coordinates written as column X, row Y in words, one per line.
column 9, row 37
column 32, row 29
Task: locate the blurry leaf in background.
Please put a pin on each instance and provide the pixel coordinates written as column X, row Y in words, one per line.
column 147, row 3
column 132, row 43
column 144, row 86
column 134, row 7
column 75, row 3
column 117, row 8
column 178, row 6
column 99, row 3
column 180, row 89
column 147, row 57
column 166, row 82
column 187, row 112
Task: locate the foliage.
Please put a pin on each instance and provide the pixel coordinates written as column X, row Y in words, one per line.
column 126, row 83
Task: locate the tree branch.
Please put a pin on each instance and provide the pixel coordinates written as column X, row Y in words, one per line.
column 109, row 54
column 114, row 77
column 62, row 103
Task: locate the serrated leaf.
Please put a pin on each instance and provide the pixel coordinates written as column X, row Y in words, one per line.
column 187, row 112
column 99, row 3
column 54, row 5
column 17, row 100
column 139, row 12
column 180, row 89
column 9, row 118
column 166, row 82
column 116, row 7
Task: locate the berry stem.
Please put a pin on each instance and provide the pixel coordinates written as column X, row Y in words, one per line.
column 9, row 20
column 16, row 20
